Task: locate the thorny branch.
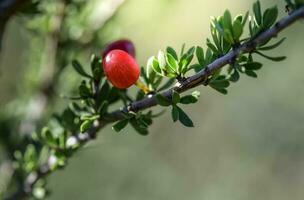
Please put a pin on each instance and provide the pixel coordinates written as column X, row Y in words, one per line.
column 150, row 101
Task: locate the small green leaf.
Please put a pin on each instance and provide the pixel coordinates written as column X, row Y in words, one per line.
column 251, row 73
column 251, row 28
column 78, row 67
column 149, row 65
column 191, row 51
column 235, row 76
column 175, row 97
column 239, row 18
column 197, row 67
column 161, row 100
column 226, row 46
column 219, row 84
column 237, row 29
column 218, row 77
column 103, row 108
column 228, row 36
column 96, row 67
column 135, row 124
column 84, row 91
column 257, row 12
column 208, row 57
column 97, row 74
column 189, row 99
column 105, row 90
column 215, row 36
column 212, row 46
column 154, row 65
column 103, row 94
column 216, row 24
column 89, row 117
column 173, row 64
column 276, row 59
column 145, row 73
column 171, row 51
column 30, row 158
column 269, row 17
column 48, row 136
column 227, row 21
column 85, row 125
column 220, row 90
column 185, row 61
column 120, row 125
column 161, row 59
column 253, row 66
column 152, row 79
column 95, row 61
column 186, row 67
column 143, row 123
column 156, row 68
column 265, row 48
column 174, row 113
column 183, row 49
column 75, row 107
column 245, row 19
column 184, row 118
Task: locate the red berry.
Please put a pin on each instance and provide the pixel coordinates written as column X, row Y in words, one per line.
column 124, row 45
column 121, row 69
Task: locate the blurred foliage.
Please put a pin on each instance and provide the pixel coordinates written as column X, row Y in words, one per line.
column 58, row 31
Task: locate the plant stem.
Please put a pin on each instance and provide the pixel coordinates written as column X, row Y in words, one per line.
column 193, row 81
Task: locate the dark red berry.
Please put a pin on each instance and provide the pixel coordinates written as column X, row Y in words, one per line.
column 121, row 69
column 124, row 45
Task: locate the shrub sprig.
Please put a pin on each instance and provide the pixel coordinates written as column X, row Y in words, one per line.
column 91, row 109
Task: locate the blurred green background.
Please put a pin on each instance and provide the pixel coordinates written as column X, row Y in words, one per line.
column 246, row 145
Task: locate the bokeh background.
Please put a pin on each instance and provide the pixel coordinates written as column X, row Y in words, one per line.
column 245, row 145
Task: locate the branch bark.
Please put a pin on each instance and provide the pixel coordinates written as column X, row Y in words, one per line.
column 150, row 101
column 201, row 76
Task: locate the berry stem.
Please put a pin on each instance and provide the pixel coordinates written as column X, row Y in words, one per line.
column 143, row 87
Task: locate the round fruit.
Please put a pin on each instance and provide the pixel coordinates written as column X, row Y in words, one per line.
column 121, row 69
column 124, row 45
